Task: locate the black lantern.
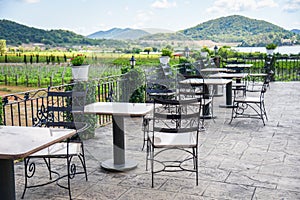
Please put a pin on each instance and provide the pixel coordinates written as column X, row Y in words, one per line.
column 216, row 49
column 132, row 61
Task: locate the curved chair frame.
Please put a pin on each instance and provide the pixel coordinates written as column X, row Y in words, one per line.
column 62, row 110
column 176, row 126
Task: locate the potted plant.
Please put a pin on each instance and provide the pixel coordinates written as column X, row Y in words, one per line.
column 204, row 52
column 270, row 48
column 80, row 70
column 166, row 53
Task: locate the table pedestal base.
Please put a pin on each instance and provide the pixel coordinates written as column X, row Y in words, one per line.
column 208, row 117
column 225, row 106
column 110, row 166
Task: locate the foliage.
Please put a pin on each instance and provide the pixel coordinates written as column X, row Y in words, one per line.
column 2, row 46
column 133, row 86
column 148, row 49
column 78, row 60
column 91, row 119
column 24, row 34
column 239, row 29
column 205, row 49
column 271, row 46
column 166, row 52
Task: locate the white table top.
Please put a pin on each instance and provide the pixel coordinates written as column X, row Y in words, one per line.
column 258, row 74
column 239, row 65
column 20, row 141
column 218, row 81
column 215, row 70
column 229, row 75
column 119, row 108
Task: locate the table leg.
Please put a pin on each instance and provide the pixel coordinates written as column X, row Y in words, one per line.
column 228, row 96
column 118, row 163
column 206, row 108
column 118, row 140
column 7, row 180
column 218, row 93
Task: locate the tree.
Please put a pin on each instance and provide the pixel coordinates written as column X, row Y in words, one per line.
column 148, row 49
column 2, row 46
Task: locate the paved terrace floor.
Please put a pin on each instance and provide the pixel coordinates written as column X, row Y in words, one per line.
column 243, row 160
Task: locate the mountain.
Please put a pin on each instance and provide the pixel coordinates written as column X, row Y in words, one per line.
column 157, row 30
column 18, row 34
column 236, row 28
column 233, row 29
column 297, row 31
column 119, row 34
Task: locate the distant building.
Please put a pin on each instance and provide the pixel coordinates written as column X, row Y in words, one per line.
column 286, row 41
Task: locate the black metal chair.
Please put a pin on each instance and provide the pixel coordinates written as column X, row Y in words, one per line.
column 160, row 84
column 250, row 106
column 175, row 127
column 199, row 90
column 64, row 110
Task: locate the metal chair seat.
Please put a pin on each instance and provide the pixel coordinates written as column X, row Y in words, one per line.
column 59, row 150
column 248, row 100
column 170, row 140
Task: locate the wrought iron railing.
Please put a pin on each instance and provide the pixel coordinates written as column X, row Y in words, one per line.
column 22, row 109
column 285, row 68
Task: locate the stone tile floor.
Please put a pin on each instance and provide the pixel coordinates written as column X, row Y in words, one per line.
column 241, row 160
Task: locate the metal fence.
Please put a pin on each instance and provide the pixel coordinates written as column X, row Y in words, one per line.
column 285, row 68
column 22, row 109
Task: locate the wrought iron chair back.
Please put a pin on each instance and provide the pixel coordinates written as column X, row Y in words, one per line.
column 175, row 127
column 64, row 109
column 251, row 106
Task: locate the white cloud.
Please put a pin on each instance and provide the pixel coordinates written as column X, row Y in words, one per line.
column 225, row 6
column 142, row 18
column 292, row 6
column 163, row 4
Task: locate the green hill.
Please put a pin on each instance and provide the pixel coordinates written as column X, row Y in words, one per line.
column 235, row 28
column 231, row 29
column 17, row 34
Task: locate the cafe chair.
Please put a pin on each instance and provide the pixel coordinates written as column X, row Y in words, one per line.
column 175, row 127
column 64, row 110
column 199, row 90
column 159, row 83
column 250, row 106
column 256, row 85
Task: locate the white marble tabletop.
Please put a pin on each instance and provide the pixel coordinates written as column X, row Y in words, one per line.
column 258, row 74
column 214, row 69
column 241, row 65
column 20, row 141
column 229, row 75
column 119, row 108
column 208, row 81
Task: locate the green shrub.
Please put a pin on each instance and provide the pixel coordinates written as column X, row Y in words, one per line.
column 166, row 52
column 271, row 46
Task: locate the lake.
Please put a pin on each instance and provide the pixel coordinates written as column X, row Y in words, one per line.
column 280, row 49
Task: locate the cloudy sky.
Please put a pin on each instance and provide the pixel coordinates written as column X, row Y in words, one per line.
column 88, row 16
